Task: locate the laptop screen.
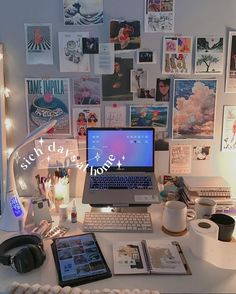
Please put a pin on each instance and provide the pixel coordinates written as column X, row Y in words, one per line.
column 128, row 149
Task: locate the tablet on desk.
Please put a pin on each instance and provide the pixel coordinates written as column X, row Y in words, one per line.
column 79, row 260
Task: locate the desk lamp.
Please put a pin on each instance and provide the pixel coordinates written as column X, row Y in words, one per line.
column 13, row 210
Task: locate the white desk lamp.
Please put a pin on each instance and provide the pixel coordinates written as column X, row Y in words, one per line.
column 13, row 210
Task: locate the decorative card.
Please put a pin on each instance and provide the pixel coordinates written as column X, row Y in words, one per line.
column 177, row 55
column 209, row 57
column 84, row 117
column 87, row 89
column 71, row 56
column 125, row 34
column 180, row 159
column 48, row 99
column 148, row 116
column 230, row 86
column 159, row 16
column 38, row 39
column 116, row 87
column 229, row 129
column 194, row 109
column 115, row 116
column 83, row 12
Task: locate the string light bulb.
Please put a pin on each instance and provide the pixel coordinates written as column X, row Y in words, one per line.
column 8, row 123
column 6, row 92
column 9, row 151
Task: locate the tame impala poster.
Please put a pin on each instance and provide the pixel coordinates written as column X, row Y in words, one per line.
column 48, row 99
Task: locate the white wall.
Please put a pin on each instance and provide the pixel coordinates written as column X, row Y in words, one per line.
column 201, row 17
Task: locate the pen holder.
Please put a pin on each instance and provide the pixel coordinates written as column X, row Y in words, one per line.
column 62, row 192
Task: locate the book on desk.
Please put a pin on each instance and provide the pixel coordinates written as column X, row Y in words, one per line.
column 214, row 187
column 149, row 257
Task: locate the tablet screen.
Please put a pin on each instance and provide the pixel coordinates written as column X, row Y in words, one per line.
column 79, row 257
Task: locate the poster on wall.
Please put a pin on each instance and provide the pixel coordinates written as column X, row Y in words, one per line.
column 228, row 142
column 194, row 109
column 148, row 116
column 84, row 117
column 159, row 16
column 116, row 87
column 230, row 86
column 83, row 12
column 209, row 56
column 87, row 89
column 180, row 159
column 38, row 43
column 177, row 55
column 115, row 116
column 125, row 34
column 48, row 99
column 71, row 56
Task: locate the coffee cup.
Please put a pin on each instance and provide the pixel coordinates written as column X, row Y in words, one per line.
column 175, row 216
column 204, row 207
column 226, row 226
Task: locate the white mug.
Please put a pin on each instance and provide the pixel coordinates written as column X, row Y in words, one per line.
column 204, row 207
column 175, row 216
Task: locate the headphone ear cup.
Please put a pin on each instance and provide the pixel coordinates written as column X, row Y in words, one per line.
column 38, row 255
column 24, row 260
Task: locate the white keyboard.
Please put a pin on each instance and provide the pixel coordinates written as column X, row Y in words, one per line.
column 37, row 288
column 117, row 222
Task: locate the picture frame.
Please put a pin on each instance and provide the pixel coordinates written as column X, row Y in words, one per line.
column 3, row 153
column 230, row 76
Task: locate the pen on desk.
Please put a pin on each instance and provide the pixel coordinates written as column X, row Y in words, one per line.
column 181, row 254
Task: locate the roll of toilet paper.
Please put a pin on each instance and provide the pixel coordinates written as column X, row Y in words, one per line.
column 204, row 244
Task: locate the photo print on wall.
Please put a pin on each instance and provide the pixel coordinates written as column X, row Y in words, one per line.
column 116, row 87
column 230, row 86
column 125, row 34
column 228, row 142
column 48, row 99
column 38, row 39
column 194, row 109
column 139, row 79
column 83, row 12
column 87, row 90
column 209, row 55
column 163, row 90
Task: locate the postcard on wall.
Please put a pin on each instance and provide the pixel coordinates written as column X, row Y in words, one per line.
column 163, row 90
column 161, row 140
column 230, row 86
column 48, row 99
column 177, row 55
column 56, row 153
column 115, row 116
column 104, row 61
column 87, row 89
column 146, row 56
column 159, row 16
column 209, row 56
column 148, row 116
column 180, row 159
column 229, row 129
column 194, row 109
column 84, row 117
column 145, row 93
column 38, row 39
column 71, row 55
column 116, row 87
column 125, row 34
column 90, row 45
column 138, row 79
column 201, row 152
column 83, row 12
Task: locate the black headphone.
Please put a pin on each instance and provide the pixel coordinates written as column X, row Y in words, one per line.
column 27, row 258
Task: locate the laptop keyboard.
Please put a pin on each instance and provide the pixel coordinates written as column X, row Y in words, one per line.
column 109, row 182
column 117, row 222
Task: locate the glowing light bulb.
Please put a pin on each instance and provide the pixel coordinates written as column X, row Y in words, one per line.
column 9, row 152
column 7, row 92
column 8, row 123
column 1, row 56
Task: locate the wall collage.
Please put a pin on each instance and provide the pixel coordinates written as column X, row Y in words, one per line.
column 112, row 90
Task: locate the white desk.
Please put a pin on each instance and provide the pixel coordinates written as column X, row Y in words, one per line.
column 205, row 278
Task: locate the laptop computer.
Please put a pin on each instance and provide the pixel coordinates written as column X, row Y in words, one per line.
column 120, row 153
